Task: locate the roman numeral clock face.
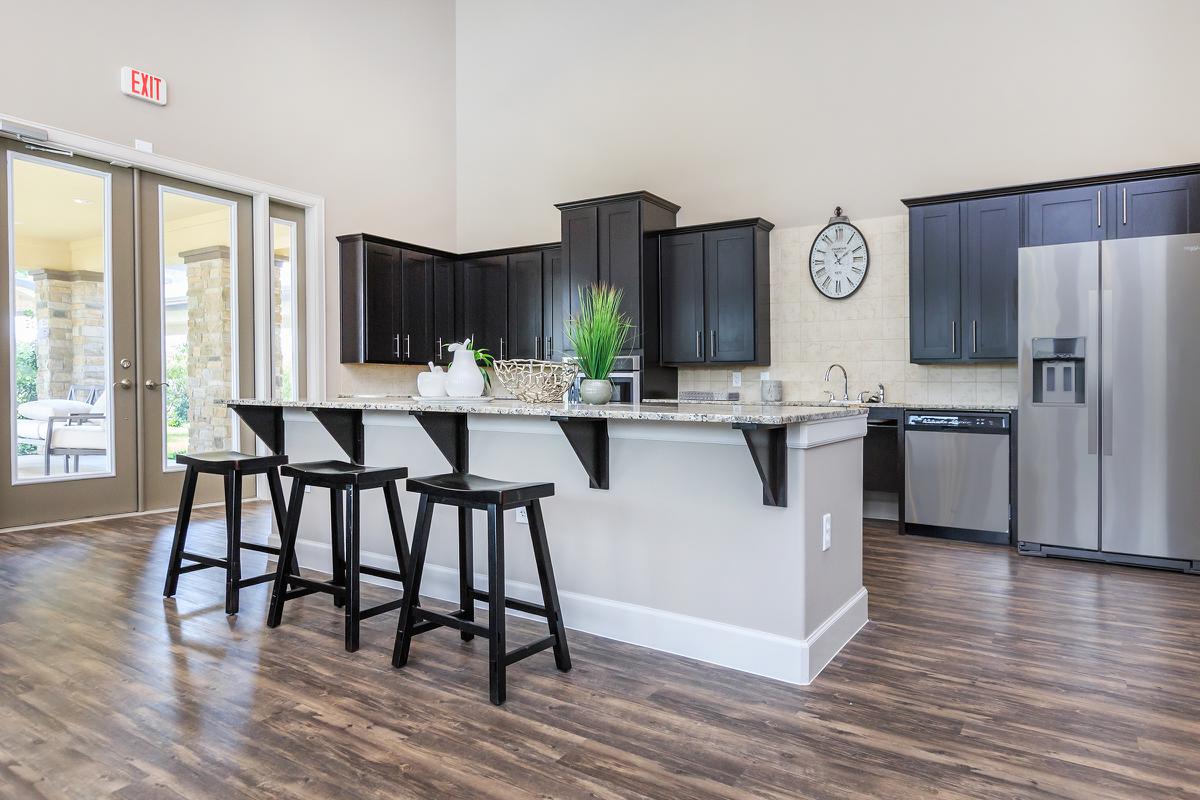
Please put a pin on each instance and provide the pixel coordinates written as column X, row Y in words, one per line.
column 838, row 260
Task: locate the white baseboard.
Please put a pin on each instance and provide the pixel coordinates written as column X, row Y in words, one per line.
column 770, row 655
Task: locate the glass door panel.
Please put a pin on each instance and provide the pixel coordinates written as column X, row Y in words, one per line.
column 67, row 347
column 288, row 374
column 197, row 341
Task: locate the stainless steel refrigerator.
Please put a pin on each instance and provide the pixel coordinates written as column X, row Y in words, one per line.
column 1108, row 434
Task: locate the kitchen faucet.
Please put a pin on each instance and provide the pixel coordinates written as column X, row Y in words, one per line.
column 845, row 381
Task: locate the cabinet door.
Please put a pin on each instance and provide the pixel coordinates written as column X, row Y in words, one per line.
column 681, row 297
column 445, row 329
column 1063, row 216
column 485, row 303
column 416, row 307
column 580, row 264
column 1158, row 207
column 524, row 305
column 619, row 248
column 553, row 337
column 991, row 236
column 381, row 296
column 729, row 289
column 934, row 284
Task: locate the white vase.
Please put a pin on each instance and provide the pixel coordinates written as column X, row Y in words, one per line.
column 464, row 378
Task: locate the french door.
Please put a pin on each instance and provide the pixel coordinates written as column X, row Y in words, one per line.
column 68, row 411
column 127, row 302
column 197, row 315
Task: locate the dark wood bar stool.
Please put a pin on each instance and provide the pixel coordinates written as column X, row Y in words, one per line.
column 232, row 466
column 351, row 479
column 473, row 492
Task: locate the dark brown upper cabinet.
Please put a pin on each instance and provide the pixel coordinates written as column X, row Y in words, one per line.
column 715, row 293
column 388, row 292
column 526, row 299
column 416, row 307
column 445, row 313
column 963, row 249
column 483, row 303
column 604, row 240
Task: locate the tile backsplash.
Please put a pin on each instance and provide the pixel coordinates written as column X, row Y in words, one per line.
column 866, row 333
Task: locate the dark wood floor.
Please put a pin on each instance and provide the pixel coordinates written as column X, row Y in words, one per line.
column 981, row 675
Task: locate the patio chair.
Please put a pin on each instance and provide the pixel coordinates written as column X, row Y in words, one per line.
column 69, row 428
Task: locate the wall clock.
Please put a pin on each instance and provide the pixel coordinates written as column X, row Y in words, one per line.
column 839, row 258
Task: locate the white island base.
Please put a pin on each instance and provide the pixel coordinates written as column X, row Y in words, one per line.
column 679, row 554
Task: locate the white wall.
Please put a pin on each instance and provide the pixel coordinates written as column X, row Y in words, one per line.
column 786, row 108
column 353, row 101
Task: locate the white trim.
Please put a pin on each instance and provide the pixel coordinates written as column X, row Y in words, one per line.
column 262, row 235
column 14, row 478
column 269, row 291
column 314, row 220
column 769, row 655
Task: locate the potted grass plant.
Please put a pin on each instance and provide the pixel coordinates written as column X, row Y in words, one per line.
column 599, row 332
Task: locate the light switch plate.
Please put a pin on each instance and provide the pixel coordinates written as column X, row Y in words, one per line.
column 764, row 376
column 826, row 531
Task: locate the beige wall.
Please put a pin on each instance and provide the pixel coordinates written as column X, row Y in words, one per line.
column 351, row 101
column 786, row 108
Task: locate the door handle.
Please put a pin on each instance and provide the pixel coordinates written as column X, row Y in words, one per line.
column 124, row 383
column 953, row 336
column 1106, row 372
column 397, row 340
column 712, row 343
column 152, row 384
column 974, row 337
column 699, row 344
column 1124, row 206
column 1099, row 202
column 407, row 346
column 1093, row 377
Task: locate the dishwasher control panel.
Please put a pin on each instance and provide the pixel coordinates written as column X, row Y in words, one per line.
column 970, row 423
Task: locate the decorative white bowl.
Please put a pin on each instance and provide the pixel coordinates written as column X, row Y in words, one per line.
column 536, row 381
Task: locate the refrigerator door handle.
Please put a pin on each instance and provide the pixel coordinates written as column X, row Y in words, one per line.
column 1106, row 373
column 1093, row 377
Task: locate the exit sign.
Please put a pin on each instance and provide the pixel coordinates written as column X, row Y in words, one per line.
column 144, row 86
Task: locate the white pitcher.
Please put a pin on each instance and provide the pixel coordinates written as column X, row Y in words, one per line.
column 464, row 378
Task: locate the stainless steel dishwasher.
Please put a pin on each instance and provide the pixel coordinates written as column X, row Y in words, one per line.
column 956, row 474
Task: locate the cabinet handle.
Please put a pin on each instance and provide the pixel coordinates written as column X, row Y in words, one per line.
column 1124, row 206
column 974, row 338
column 397, row 338
column 501, row 348
column 953, row 336
column 439, row 349
column 699, row 344
column 537, row 348
column 712, row 343
column 1099, row 201
column 549, row 348
column 407, row 347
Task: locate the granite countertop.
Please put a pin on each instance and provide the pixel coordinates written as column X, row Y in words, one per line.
column 993, row 407
column 727, row 413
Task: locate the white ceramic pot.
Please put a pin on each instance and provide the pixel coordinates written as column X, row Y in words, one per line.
column 464, row 378
column 432, row 384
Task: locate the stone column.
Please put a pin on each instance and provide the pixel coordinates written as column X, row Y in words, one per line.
column 277, row 366
column 210, row 347
column 71, row 345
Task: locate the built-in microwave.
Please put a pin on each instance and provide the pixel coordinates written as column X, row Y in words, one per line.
column 626, row 378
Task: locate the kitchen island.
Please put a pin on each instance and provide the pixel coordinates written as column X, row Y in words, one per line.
column 690, row 528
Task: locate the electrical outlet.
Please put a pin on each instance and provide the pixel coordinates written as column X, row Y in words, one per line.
column 826, row 531
column 764, row 376
column 143, row 146
column 522, row 516
column 736, row 379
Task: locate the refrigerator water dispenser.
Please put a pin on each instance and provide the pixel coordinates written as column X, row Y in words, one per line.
column 1058, row 371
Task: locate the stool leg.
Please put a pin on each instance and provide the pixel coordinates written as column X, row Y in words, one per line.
column 412, row 585
column 181, row 527
column 466, row 569
column 351, row 573
column 336, row 538
column 391, row 497
column 541, row 554
column 496, row 639
column 280, row 510
column 233, row 540
column 287, row 553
